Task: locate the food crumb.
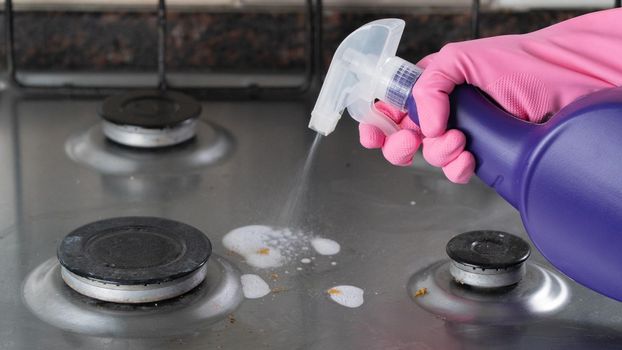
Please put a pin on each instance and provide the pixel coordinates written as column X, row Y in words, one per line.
column 263, row 251
column 279, row 290
column 421, row 292
column 274, row 276
column 232, row 319
column 334, row 291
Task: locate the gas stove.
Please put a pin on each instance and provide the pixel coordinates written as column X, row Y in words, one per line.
column 395, row 227
column 152, row 219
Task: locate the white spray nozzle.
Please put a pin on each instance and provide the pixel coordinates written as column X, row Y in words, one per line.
column 363, row 69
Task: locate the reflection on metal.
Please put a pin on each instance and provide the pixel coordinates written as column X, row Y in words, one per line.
column 48, row 297
column 540, row 293
column 134, row 294
column 91, row 148
column 150, row 186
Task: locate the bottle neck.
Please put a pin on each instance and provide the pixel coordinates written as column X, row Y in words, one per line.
column 397, row 78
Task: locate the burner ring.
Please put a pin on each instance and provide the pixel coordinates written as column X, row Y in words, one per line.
column 146, row 257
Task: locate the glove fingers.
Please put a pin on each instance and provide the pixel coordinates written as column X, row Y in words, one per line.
column 370, row 136
column 440, row 151
column 461, row 169
column 399, row 148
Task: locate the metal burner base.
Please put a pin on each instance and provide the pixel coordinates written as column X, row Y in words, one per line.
column 540, row 293
column 211, row 145
column 133, row 294
column 136, row 136
column 51, row 300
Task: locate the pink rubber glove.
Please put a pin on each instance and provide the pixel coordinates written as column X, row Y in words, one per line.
column 532, row 76
column 399, row 147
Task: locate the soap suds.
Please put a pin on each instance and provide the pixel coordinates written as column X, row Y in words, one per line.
column 325, row 246
column 254, row 287
column 264, row 246
column 305, row 261
column 334, row 263
column 348, row 296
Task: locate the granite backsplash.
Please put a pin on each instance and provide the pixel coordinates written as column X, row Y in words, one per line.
column 225, row 41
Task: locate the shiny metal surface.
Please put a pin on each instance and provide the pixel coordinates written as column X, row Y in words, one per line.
column 132, row 294
column 541, row 294
column 91, row 148
column 134, row 136
column 391, row 222
column 54, row 303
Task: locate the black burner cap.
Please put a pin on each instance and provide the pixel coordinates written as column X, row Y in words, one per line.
column 151, row 109
column 134, row 250
column 488, row 249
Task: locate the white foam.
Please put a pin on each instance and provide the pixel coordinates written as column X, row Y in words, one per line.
column 348, row 296
column 262, row 246
column 334, row 263
column 254, row 287
column 325, row 246
column 305, row 260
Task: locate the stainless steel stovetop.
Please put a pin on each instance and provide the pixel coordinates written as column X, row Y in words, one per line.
column 392, row 224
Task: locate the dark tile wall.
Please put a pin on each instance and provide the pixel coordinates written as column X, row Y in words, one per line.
column 231, row 41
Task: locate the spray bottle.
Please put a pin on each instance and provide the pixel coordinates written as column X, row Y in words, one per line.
column 564, row 176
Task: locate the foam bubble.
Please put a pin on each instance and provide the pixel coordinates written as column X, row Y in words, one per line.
column 348, row 296
column 261, row 246
column 325, row 246
column 254, row 287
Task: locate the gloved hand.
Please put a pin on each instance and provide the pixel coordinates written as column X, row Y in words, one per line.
column 532, row 76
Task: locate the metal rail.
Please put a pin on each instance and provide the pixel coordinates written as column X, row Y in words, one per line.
column 162, row 44
column 475, row 19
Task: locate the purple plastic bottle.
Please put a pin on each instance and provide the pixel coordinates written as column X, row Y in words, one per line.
column 564, row 176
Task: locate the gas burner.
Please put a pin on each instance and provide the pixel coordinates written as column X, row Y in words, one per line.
column 487, row 259
column 92, row 148
column 488, row 281
column 134, row 259
column 150, row 118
